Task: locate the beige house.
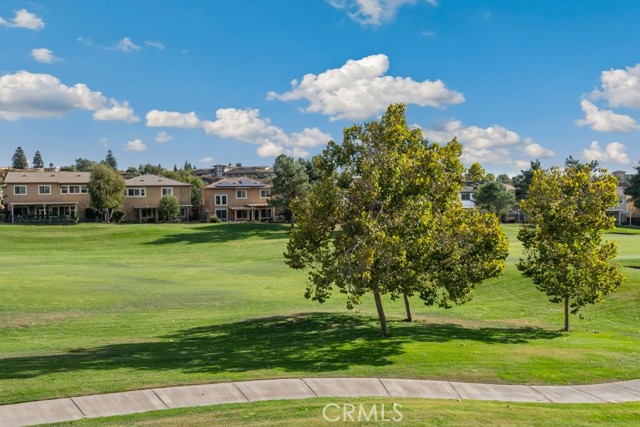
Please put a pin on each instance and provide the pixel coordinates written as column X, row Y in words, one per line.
column 238, row 199
column 143, row 193
column 41, row 196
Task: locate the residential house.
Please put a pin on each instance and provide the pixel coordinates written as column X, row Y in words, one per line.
column 466, row 197
column 43, row 195
column 143, row 193
column 238, row 199
column 624, row 211
column 228, row 171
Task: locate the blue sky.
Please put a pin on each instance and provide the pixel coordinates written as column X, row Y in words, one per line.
column 210, row 82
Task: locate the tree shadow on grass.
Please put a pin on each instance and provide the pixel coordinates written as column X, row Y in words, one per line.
column 306, row 343
column 219, row 233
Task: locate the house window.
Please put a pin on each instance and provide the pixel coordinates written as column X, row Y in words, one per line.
column 221, row 200
column 221, row 214
column 242, row 215
column 167, row 191
column 241, row 194
column 136, row 192
column 20, row 190
column 265, row 194
column 465, row 196
column 73, row 189
column 265, row 213
column 44, row 189
column 147, row 213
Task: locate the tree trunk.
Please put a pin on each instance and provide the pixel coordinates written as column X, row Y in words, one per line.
column 383, row 319
column 566, row 314
column 407, row 307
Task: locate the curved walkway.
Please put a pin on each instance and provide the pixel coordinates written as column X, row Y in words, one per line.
column 103, row 405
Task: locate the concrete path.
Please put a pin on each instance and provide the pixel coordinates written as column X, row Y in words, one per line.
column 103, row 405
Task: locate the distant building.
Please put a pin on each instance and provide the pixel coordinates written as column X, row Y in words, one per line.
column 227, row 171
column 238, row 199
column 143, row 193
column 466, row 197
column 624, row 211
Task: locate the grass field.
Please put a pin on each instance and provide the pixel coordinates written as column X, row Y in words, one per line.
column 100, row 308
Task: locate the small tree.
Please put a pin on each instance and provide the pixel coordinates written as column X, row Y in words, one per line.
column 106, row 189
column 37, row 161
column 110, row 160
column 475, row 173
column 522, row 181
column 564, row 253
column 494, row 197
column 290, row 181
column 19, row 160
column 504, row 178
column 168, row 208
column 84, row 165
column 633, row 189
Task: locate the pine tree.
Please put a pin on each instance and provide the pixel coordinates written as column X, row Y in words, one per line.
column 19, row 160
column 37, row 161
column 110, row 160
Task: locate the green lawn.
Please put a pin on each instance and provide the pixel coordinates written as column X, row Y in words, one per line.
column 414, row 412
column 100, row 308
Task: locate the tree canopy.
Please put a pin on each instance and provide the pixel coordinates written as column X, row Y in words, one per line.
column 37, row 161
column 106, row 188
column 633, row 189
column 19, row 160
column 290, row 181
column 522, row 181
column 110, row 160
column 563, row 248
column 494, row 197
column 386, row 218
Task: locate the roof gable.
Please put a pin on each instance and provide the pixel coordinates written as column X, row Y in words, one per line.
column 61, row 177
column 154, row 181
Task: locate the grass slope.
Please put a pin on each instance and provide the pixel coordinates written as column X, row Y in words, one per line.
column 100, row 308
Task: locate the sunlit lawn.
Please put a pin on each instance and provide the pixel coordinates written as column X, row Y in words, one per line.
column 100, row 308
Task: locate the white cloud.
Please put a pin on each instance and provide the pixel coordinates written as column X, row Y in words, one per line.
column 359, row 89
column 43, row 55
column 428, row 34
column 126, row 45
column 85, row 41
column 156, row 44
column 207, row 159
column 156, row 118
column 163, row 137
column 117, row 111
column 494, row 144
column 373, row 12
column 24, row 19
column 613, row 152
column 26, row 94
column 605, row 120
column 136, row 145
column 621, row 88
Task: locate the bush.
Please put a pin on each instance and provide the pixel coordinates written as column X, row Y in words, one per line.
column 168, row 208
column 214, row 219
column 117, row 215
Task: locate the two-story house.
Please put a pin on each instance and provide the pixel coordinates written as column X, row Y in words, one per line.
column 238, row 199
column 41, row 195
column 143, row 193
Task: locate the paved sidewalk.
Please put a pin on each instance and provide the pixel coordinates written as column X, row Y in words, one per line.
column 103, row 405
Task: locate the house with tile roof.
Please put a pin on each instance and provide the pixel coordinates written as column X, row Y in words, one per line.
column 143, row 193
column 238, row 199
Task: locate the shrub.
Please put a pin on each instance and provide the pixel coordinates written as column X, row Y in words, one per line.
column 118, row 215
column 214, row 219
column 168, row 208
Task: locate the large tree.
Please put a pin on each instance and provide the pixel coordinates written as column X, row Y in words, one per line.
column 494, row 197
column 563, row 248
column 633, row 189
column 19, row 160
column 386, row 219
column 290, row 181
column 106, row 189
column 37, row 161
column 110, row 160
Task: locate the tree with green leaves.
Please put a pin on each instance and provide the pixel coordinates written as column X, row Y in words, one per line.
column 522, row 181
column 84, row 165
column 37, row 161
column 290, row 181
column 504, row 178
column 168, row 208
column 633, row 189
column 475, row 173
column 386, row 219
column 19, row 160
column 110, row 160
column 563, row 248
column 494, row 197
column 106, row 189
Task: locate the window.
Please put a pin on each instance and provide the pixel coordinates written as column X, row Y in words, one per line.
column 465, row 196
column 241, row 194
column 242, row 215
column 44, row 189
column 265, row 194
column 136, row 192
column 221, row 214
column 20, row 190
column 167, row 191
column 221, row 200
column 265, row 213
column 73, row 189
